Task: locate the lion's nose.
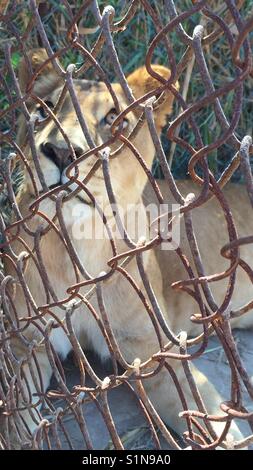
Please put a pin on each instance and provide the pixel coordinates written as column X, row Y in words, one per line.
column 60, row 156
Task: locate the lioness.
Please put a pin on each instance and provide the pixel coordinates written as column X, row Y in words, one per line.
column 131, row 325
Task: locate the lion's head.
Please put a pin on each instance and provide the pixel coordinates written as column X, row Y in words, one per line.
column 61, row 139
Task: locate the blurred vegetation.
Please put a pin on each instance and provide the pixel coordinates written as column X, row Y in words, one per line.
column 132, row 45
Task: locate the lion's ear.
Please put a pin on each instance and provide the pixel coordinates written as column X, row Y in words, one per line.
column 141, row 82
column 47, row 78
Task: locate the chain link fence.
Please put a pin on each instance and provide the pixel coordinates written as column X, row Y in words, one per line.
column 33, row 332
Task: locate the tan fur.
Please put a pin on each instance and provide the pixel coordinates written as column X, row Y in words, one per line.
column 128, row 318
column 212, row 234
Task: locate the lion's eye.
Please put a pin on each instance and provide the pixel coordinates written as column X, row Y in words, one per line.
column 111, row 116
column 42, row 111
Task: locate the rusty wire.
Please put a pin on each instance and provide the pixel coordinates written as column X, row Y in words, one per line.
column 212, row 316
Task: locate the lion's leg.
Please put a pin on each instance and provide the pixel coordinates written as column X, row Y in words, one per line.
column 166, row 401
column 32, row 380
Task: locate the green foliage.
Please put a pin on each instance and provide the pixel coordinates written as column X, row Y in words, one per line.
column 132, row 45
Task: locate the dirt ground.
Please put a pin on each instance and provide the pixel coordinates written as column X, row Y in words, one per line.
column 127, row 416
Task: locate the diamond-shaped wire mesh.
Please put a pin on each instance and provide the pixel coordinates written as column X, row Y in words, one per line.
column 63, row 289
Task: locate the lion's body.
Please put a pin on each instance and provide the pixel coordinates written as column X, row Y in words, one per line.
column 128, row 317
column 212, row 234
